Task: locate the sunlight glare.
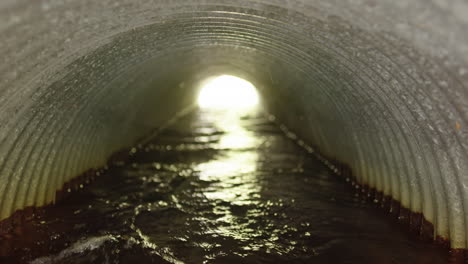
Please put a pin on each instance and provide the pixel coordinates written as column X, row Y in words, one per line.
column 228, row 92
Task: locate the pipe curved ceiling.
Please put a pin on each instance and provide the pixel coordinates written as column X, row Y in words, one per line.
column 380, row 86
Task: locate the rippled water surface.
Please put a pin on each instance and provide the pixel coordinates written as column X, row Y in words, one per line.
column 218, row 187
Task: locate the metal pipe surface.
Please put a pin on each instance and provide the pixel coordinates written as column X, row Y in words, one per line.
column 380, row 86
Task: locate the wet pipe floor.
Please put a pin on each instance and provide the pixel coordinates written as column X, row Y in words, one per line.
column 217, row 187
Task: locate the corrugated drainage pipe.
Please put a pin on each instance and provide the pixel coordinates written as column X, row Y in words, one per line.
column 379, row 88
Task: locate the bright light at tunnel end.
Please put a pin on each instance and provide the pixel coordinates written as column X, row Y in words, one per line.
column 228, row 92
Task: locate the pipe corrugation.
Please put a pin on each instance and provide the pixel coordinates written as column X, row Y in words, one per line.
column 381, row 86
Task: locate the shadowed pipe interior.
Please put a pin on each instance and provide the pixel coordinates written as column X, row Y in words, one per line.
column 379, row 86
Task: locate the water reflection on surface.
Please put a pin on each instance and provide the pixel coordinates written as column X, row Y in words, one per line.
column 234, row 170
column 220, row 187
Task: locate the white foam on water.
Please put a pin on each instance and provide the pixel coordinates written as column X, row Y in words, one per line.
column 79, row 247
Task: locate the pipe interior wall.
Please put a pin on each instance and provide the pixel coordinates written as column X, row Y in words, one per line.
column 380, row 86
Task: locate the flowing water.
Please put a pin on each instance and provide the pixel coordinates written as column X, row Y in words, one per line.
column 218, row 187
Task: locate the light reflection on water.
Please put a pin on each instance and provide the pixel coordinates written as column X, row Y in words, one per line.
column 235, row 135
column 234, row 174
column 234, row 171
